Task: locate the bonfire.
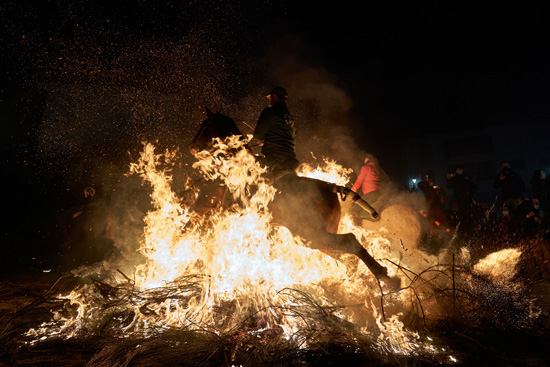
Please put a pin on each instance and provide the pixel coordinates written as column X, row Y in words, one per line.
column 231, row 289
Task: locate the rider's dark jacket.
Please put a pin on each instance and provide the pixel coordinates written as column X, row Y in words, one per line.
column 276, row 129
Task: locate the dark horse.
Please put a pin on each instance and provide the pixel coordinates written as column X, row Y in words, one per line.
column 307, row 207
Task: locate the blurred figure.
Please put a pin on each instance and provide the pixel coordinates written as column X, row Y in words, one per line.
column 528, row 217
column 511, row 186
column 539, row 211
column 368, row 186
column 453, row 215
column 505, row 222
column 541, row 188
column 463, row 188
column 435, row 199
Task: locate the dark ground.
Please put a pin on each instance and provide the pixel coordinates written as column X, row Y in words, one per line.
column 28, row 293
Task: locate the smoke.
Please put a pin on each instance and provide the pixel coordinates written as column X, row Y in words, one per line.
column 323, row 109
column 109, row 89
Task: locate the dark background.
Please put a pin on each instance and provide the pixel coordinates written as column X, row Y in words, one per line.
column 84, row 82
column 424, row 65
column 416, row 67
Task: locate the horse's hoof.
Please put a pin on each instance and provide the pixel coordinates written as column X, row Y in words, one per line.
column 371, row 217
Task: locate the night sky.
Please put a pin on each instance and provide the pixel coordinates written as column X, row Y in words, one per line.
column 433, row 64
column 406, row 68
column 420, row 64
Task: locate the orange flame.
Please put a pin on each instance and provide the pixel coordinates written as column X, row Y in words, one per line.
column 241, row 260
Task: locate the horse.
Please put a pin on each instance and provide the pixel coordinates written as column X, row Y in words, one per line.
column 307, row 207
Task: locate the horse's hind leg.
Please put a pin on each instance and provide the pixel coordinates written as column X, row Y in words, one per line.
column 348, row 243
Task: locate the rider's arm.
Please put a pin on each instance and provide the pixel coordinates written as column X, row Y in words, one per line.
column 263, row 125
column 359, row 182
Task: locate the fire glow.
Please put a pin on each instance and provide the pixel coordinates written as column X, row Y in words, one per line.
column 244, row 257
column 233, row 270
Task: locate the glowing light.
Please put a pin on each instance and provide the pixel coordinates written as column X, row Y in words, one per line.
column 233, row 265
column 500, row 266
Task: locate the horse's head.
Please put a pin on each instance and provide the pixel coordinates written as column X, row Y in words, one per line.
column 214, row 126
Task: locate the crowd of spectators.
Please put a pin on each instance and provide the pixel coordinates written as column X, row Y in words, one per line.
column 455, row 219
column 519, row 211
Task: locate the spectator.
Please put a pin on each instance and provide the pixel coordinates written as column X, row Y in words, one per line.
column 505, row 223
column 539, row 211
column 541, row 188
column 527, row 216
column 511, row 187
column 435, row 199
column 454, row 217
column 463, row 188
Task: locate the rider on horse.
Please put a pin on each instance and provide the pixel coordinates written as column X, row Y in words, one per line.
column 307, row 207
column 275, row 133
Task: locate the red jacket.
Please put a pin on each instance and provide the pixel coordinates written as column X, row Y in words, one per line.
column 367, row 180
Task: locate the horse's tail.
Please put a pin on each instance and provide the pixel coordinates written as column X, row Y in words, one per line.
column 357, row 199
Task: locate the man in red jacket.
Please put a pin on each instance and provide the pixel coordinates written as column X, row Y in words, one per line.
column 368, row 184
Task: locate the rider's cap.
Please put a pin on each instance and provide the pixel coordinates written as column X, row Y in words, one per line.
column 280, row 91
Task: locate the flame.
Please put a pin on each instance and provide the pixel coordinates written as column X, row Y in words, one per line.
column 233, row 265
column 330, row 171
column 235, row 258
column 242, row 255
column 499, row 266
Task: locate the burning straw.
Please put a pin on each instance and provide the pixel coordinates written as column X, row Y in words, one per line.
column 232, row 290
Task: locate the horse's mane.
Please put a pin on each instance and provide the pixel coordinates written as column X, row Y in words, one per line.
column 227, row 123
